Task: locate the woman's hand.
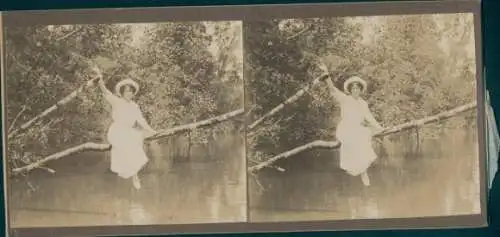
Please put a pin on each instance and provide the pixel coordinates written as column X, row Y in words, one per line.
column 97, row 73
column 97, row 77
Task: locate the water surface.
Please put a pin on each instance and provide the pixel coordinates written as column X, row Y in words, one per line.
column 205, row 185
column 432, row 177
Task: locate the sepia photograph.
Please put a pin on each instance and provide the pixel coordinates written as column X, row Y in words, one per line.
column 245, row 118
column 366, row 117
column 124, row 124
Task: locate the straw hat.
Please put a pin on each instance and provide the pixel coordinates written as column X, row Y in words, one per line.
column 127, row 82
column 353, row 80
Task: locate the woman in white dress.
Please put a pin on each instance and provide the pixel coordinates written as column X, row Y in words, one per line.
column 126, row 138
column 355, row 129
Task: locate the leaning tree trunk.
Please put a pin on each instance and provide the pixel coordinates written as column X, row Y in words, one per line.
column 288, row 101
column 51, row 109
column 64, row 101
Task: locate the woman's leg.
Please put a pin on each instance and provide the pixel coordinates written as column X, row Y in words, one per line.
column 136, row 181
column 365, row 179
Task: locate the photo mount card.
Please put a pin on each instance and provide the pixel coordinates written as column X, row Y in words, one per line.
column 256, row 118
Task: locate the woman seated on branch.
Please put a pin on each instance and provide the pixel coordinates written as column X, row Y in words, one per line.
column 126, row 138
column 355, row 129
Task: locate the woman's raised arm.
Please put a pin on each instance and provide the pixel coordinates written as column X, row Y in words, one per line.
column 334, row 91
column 108, row 95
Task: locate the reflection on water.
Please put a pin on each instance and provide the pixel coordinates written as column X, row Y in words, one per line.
column 138, row 215
column 438, row 177
column 207, row 186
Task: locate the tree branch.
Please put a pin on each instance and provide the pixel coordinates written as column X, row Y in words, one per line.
column 192, row 126
column 430, row 119
column 300, row 32
column 89, row 146
column 299, row 93
column 295, row 151
column 391, row 130
column 69, row 34
column 288, row 101
column 16, row 118
column 51, row 109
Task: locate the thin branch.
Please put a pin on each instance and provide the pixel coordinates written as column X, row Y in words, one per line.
column 250, row 111
column 47, row 169
column 391, row 130
column 299, row 33
column 272, row 166
column 69, row 34
column 16, row 118
column 264, row 129
column 256, row 179
column 25, row 67
column 297, row 150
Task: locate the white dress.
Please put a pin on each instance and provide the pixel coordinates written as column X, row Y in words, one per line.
column 356, row 151
column 127, row 142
